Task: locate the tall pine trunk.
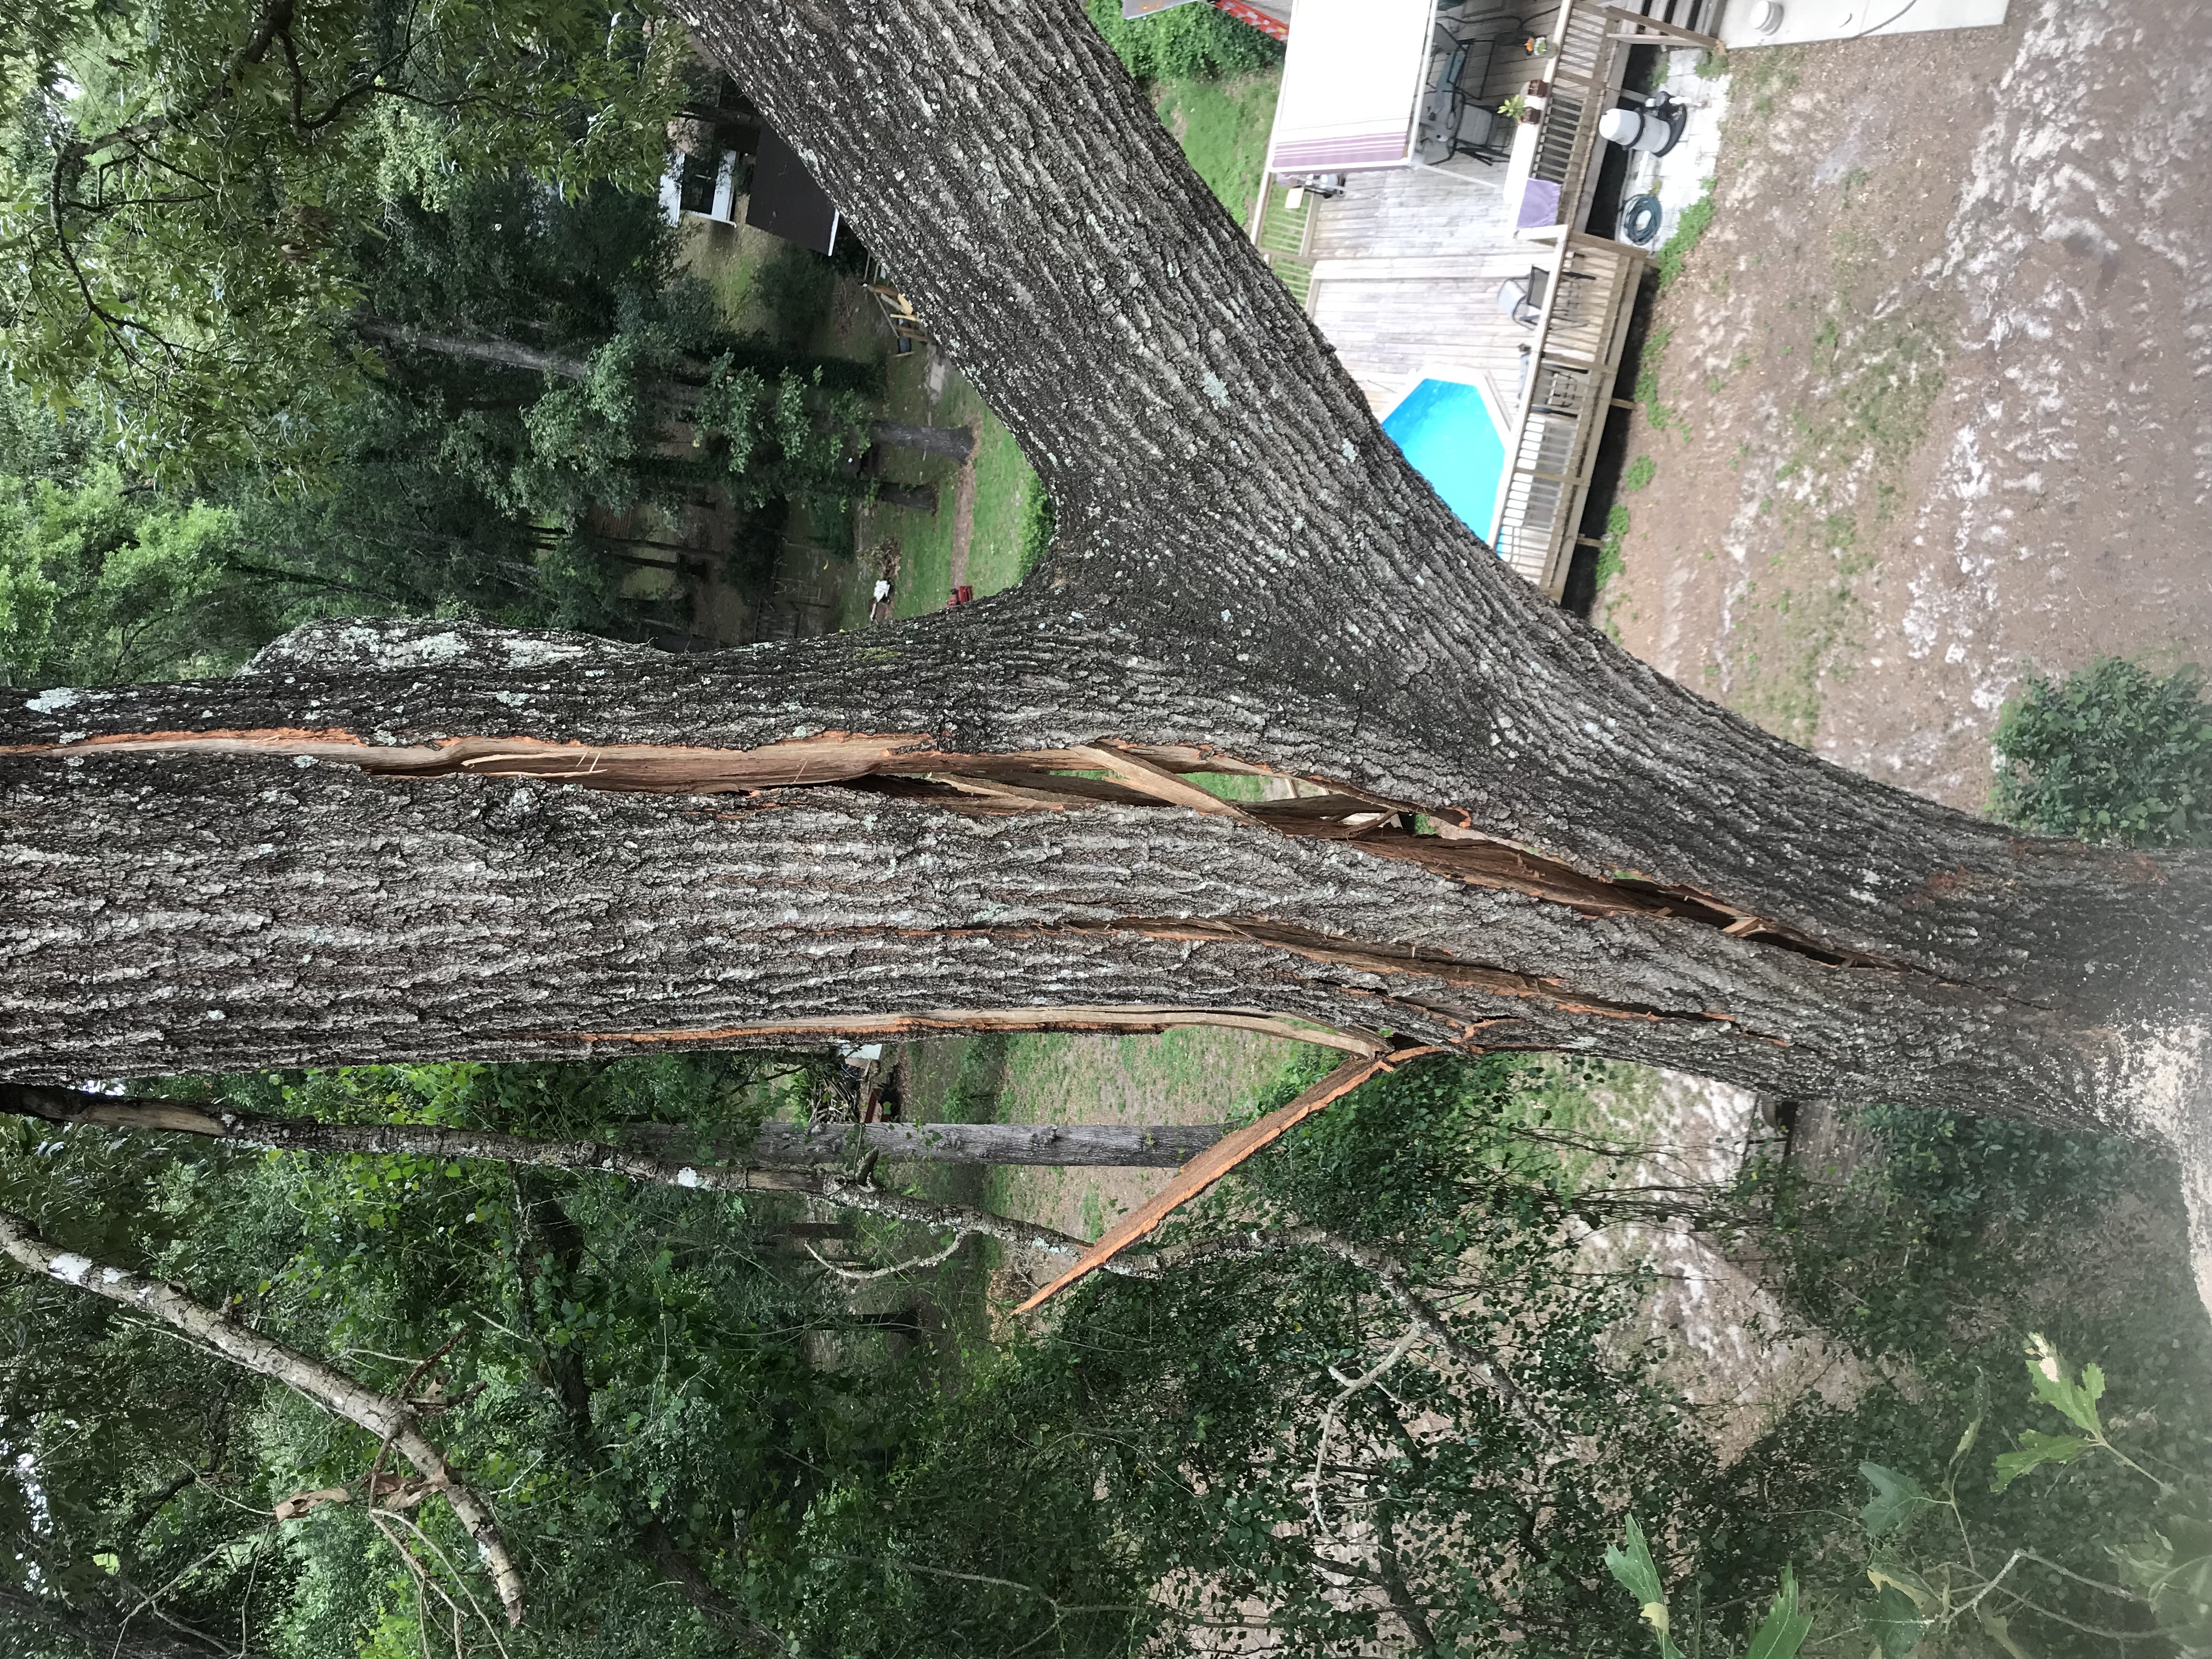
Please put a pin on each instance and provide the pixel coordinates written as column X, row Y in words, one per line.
column 407, row 841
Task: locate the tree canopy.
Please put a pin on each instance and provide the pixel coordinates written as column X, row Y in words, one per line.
column 186, row 184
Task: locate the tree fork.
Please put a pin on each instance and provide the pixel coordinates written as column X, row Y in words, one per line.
column 1245, row 567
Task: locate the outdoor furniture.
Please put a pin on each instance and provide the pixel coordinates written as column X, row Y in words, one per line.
column 1521, row 298
column 1454, row 120
column 906, row 327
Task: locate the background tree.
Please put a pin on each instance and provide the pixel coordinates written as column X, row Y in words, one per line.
column 182, row 181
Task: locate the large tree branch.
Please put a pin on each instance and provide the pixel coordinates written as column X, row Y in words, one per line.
column 392, row 1421
column 774, row 1145
column 432, row 1140
column 1226, row 495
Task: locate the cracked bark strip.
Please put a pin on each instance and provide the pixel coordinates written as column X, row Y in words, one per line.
column 1016, row 781
column 1211, row 1166
column 391, row 1421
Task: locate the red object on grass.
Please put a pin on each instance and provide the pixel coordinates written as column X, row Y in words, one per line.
column 962, row 594
column 1257, row 19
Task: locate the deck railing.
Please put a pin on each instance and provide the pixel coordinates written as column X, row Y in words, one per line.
column 1591, row 42
column 1572, row 362
column 1285, row 234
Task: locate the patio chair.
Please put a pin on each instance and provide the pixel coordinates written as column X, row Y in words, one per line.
column 1521, row 298
column 1455, row 121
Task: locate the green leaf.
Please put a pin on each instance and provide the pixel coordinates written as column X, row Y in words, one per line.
column 2000, row 1631
column 2171, row 1568
column 1897, row 1499
column 1896, row 1623
column 1785, row 1628
column 1639, row 1576
column 2036, row 1448
column 1886, row 1572
column 2077, row 1401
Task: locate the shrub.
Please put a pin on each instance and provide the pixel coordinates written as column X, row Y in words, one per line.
column 794, row 288
column 1689, row 230
column 1194, row 42
column 2111, row 753
column 1038, row 523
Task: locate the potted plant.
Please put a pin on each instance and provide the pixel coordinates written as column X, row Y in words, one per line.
column 1514, row 108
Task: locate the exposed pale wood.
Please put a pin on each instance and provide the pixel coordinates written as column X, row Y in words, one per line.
column 1210, row 1166
column 1133, row 770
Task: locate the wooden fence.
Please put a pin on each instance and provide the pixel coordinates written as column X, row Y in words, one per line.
column 1572, row 362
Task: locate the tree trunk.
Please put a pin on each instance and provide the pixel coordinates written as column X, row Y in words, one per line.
column 1097, row 1146
column 915, row 498
column 635, row 1161
column 475, row 348
column 430, row 840
column 953, row 442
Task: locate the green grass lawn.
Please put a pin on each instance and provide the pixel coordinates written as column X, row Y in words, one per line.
column 1194, row 1075
column 1223, row 127
column 1198, row 1074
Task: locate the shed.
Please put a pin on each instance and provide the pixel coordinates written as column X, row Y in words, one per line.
column 786, row 200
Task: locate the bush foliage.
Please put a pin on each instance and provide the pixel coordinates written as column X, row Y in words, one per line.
column 2111, row 753
column 1194, row 42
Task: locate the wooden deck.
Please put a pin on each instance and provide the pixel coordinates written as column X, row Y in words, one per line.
column 1402, row 273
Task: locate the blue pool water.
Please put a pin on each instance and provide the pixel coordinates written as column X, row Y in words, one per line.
column 1446, row 432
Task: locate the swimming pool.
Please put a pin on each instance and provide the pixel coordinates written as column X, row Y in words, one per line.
column 1446, row 431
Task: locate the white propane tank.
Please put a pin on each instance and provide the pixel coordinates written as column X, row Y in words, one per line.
column 1633, row 129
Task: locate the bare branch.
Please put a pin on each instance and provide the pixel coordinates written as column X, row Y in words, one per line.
column 1390, row 1273
column 1351, row 1385
column 390, row 1420
column 432, row 1140
column 898, row 1267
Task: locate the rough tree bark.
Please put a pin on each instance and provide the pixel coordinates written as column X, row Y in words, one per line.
column 416, row 839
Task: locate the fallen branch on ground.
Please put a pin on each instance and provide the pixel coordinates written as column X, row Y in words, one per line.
column 1388, row 1271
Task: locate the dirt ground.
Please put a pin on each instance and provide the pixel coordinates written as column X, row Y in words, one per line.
column 1929, row 407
